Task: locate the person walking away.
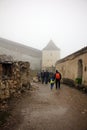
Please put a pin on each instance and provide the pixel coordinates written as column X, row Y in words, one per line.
column 57, row 79
column 46, row 77
column 42, row 76
column 52, row 81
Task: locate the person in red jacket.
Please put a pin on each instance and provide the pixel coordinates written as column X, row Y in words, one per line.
column 57, row 79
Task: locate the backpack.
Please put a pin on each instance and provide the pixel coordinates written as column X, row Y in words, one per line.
column 52, row 81
column 57, row 76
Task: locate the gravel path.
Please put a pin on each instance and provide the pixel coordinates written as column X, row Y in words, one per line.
column 45, row 109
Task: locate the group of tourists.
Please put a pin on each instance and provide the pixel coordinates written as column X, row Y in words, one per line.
column 45, row 76
column 52, row 78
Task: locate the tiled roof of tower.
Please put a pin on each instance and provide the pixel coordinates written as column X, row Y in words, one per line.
column 51, row 46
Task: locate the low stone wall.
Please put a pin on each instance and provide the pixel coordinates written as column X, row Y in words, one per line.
column 18, row 82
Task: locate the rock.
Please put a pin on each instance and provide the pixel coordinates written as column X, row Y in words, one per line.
column 35, row 79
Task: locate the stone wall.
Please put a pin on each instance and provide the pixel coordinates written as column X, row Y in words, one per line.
column 21, row 52
column 17, row 82
column 49, row 58
column 74, row 66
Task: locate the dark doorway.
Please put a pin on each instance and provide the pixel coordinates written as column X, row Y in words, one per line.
column 80, row 68
column 6, row 70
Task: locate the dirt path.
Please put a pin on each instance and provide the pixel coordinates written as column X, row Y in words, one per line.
column 45, row 109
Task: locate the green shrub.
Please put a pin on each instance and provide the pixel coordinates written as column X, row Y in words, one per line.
column 78, row 80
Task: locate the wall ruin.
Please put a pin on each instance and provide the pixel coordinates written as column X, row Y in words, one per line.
column 14, row 77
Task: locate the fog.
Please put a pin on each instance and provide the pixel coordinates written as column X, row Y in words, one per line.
column 36, row 22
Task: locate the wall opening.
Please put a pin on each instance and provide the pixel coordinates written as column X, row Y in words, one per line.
column 6, row 70
column 80, row 68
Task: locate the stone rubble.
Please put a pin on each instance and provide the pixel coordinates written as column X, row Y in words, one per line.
column 18, row 82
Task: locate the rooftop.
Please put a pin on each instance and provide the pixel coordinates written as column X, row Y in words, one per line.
column 51, row 46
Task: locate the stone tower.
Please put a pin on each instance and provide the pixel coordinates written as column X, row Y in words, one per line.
column 50, row 54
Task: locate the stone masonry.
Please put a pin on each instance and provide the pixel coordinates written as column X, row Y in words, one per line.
column 74, row 66
column 16, row 79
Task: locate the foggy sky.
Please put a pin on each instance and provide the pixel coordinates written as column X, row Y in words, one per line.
column 36, row 22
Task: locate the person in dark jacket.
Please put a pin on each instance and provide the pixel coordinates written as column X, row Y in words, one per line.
column 46, row 77
column 42, row 76
column 57, row 79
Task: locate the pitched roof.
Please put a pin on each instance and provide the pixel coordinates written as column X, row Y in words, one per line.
column 51, row 46
column 73, row 55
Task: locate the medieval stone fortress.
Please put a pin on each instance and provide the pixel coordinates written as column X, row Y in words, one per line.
column 16, row 60
column 44, row 59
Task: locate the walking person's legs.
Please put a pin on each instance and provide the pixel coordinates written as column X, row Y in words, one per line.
column 56, row 84
column 59, row 84
column 51, row 86
column 42, row 80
